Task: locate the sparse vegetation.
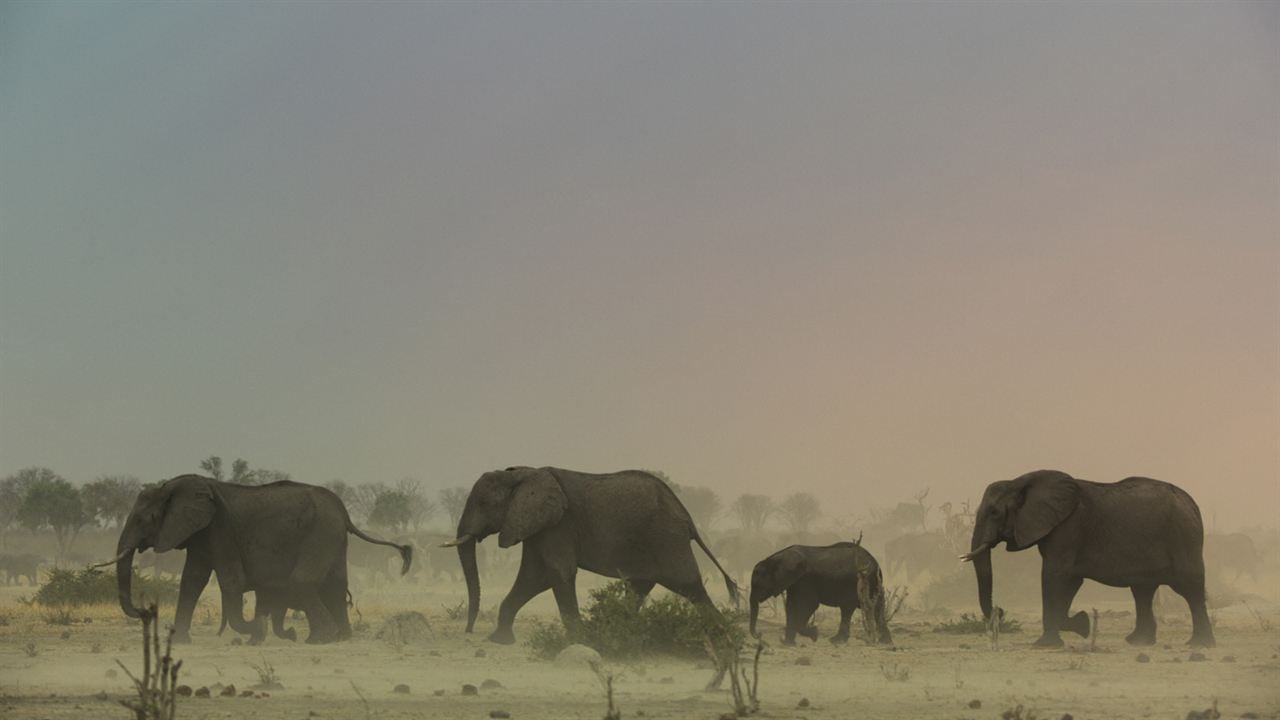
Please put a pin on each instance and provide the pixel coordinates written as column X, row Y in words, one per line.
column 969, row 624
column 895, row 672
column 615, row 628
column 606, row 684
column 157, row 688
column 73, row 588
column 31, row 650
column 268, row 679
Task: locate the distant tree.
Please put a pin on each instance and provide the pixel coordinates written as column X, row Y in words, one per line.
column 109, row 499
column 703, row 504
column 262, row 477
column 346, row 493
column 52, row 502
column 364, row 499
column 242, row 475
column 421, row 508
column 752, row 511
column 213, row 466
column 13, row 489
column 799, row 511
column 454, row 500
column 391, row 510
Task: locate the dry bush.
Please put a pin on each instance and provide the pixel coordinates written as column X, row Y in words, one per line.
column 157, row 699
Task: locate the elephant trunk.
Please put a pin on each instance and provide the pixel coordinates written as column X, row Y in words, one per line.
column 124, row 582
column 755, row 613
column 982, row 568
column 467, row 556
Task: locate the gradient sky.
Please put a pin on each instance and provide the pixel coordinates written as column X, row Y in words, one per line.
column 858, row 249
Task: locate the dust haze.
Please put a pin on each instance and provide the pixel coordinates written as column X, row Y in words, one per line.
column 825, row 272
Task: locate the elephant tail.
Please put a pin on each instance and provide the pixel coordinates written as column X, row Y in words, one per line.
column 406, row 551
column 729, row 584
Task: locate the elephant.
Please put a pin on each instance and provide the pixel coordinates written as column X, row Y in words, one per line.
column 842, row 575
column 915, row 554
column 283, row 539
column 23, row 565
column 626, row 524
column 1137, row 533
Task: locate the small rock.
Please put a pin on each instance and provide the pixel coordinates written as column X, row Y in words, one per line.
column 481, row 653
column 469, row 689
column 964, row 646
column 499, row 714
column 1142, row 658
column 237, row 641
column 1228, row 658
column 183, row 690
column 804, row 660
column 262, row 695
column 1067, row 716
column 667, row 681
column 228, row 691
column 577, row 656
column 246, row 693
column 804, row 703
column 66, row 635
column 101, row 696
column 202, row 692
column 313, row 713
column 438, row 693
column 490, row 684
column 975, row 704
column 402, row 689
column 111, row 673
column 433, row 653
column 1197, row 657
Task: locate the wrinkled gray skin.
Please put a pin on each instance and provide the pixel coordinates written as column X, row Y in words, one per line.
column 838, row 575
column 1138, row 533
column 23, row 565
column 284, row 539
column 621, row 525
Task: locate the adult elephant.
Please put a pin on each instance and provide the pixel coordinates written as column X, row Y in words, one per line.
column 1138, row 533
column 842, row 575
column 282, row 540
column 915, row 554
column 627, row 524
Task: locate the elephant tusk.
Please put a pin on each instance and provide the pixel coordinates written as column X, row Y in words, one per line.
column 460, row 541
column 112, row 561
column 968, row 557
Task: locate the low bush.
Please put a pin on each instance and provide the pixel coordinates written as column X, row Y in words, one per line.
column 72, row 588
column 970, row 624
column 615, row 628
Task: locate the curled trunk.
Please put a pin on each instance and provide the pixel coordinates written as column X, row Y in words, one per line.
column 124, row 581
column 467, row 556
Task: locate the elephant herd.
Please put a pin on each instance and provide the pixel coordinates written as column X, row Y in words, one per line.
column 287, row 542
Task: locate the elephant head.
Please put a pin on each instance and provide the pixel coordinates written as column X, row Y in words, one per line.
column 1019, row 513
column 163, row 517
column 516, row 503
column 772, row 576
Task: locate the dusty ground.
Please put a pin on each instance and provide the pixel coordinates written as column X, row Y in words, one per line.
column 72, row 672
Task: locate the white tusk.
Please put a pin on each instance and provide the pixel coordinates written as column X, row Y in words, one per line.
column 112, row 561
column 968, row 557
column 460, row 541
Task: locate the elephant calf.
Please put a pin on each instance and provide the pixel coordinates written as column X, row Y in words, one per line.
column 842, row 575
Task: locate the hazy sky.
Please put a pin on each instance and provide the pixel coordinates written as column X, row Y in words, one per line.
column 853, row 248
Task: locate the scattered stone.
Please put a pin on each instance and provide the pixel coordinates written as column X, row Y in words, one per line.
column 1067, row 716
column 481, row 653
column 237, row 641
column 246, row 693
column 228, row 691
column 101, row 696
column 470, row 689
column 183, row 690
column 577, row 656
column 499, row 714
column 667, row 681
column 490, row 684
column 402, row 689
column 434, row 653
column 313, row 713
column 66, row 635
column 1229, row 658
column 975, row 704
column 964, row 646
column 202, row 692
column 1143, row 658
column 406, row 628
column 804, row 703
column 439, row 693
column 804, row 660
column 265, row 694
column 111, row 673
column 1197, row 657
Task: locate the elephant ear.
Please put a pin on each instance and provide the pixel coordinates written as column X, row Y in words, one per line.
column 788, row 568
column 537, row 502
column 1051, row 497
column 188, row 510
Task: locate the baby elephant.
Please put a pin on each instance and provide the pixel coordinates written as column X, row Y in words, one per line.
column 842, row 575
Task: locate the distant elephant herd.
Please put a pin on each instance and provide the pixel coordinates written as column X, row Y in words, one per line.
column 287, row 542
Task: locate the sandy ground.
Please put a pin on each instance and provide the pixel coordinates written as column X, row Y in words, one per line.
column 73, row 673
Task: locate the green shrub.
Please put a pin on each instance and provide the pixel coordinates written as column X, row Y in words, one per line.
column 970, row 624
column 71, row 588
column 612, row 625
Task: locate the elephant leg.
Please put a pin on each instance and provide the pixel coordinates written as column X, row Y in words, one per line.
column 1056, row 594
column 566, row 592
column 842, row 635
column 321, row 623
column 531, row 580
column 640, row 589
column 195, row 576
column 1144, row 631
column 791, row 605
column 277, row 624
column 334, row 595
column 807, row 606
column 1201, row 628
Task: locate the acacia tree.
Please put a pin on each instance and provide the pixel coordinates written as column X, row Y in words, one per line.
column 800, row 510
column 752, row 511
column 240, row 472
column 345, row 492
column 421, row 508
column 703, row 504
column 454, row 500
column 109, row 498
column 13, row 489
column 390, row 510
column 52, row 502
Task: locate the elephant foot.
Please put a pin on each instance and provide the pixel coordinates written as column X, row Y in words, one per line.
column 503, row 636
column 1079, row 624
column 1202, row 640
column 291, row 635
column 1048, row 641
column 1141, row 638
column 255, row 640
column 181, row 638
column 839, row 639
column 810, row 632
column 789, row 642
